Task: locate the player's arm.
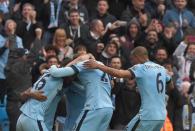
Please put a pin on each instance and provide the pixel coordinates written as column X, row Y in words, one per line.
column 61, row 72
column 91, row 64
column 38, row 95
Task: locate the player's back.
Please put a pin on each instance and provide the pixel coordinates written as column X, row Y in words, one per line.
column 43, row 110
column 151, row 80
column 75, row 99
column 98, row 87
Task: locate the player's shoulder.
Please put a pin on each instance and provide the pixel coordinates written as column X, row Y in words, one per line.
column 136, row 67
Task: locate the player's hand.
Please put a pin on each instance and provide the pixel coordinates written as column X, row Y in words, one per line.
column 91, row 64
column 38, row 95
column 81, row 58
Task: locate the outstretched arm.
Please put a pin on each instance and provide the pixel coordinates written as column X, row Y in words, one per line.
column 81, row 58
column 61, row 72
column 91, row 64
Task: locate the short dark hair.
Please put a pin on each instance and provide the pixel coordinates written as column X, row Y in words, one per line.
column 51, row 47
column 73, row 10
column 78, row 47
column 50, row 57
column 161, row 48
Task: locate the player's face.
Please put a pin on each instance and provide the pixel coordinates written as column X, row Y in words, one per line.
column 82, row 52
column 52, row 61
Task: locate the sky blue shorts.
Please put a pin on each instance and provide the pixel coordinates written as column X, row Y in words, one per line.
column 144, row 125
column 26, row 123
column 94, row 120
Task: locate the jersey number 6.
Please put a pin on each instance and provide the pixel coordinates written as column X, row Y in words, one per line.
column 159, row 83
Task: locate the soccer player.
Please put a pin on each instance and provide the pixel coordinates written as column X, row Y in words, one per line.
column 75, row 99
column 37, row 115
column 98, row 108
column 151, row 80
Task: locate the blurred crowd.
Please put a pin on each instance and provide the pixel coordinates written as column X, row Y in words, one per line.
column 35, row 34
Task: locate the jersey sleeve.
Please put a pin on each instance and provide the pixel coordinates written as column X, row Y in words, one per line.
column 61, row 72
column 67, row 71
column 136, row 71
column 78, row 67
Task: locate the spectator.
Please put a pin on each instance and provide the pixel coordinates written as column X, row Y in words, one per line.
column 37, row 45
column 26, row 27
column 191, row 5
column 4, row 6
column 9, row 42
column 174, row 104
column 127, row 100
column 161, row 56
column 75, row 29
column 152, row 43
column 103, row 14
column 46, row 52
column 181, row 17
column 93, row 39
column 18, row 80
column 90, row 5
column 10, row 34
column 185, row 54
column 192, row 71
column 60, row 42
column 74, row 4
column 52, row 17
column 3, row 61
column 137, row 10
column 116, row 7
column 131, row 39
column 110, row 50
column 167, row 38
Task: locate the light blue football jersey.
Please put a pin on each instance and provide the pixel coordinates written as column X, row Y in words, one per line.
column 95, row 81
column 75, row 99
column 44, row 110
column 98, row 87
column 151, row 80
